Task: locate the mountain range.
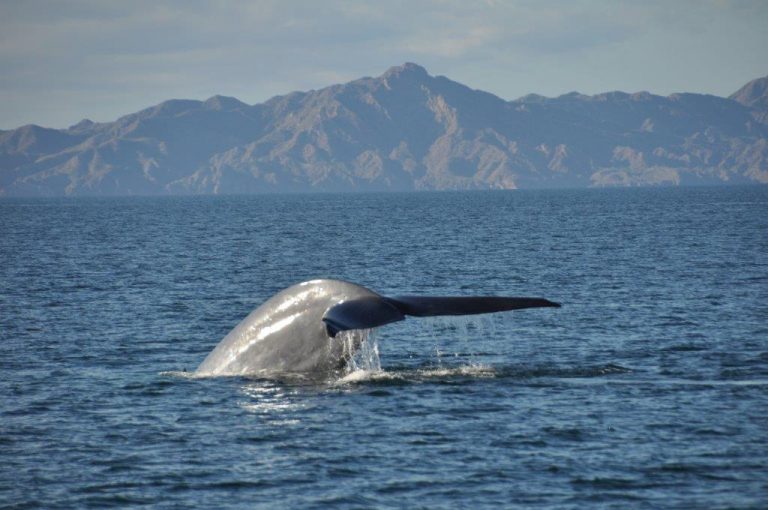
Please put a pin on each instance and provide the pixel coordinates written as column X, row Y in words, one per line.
column 403, row 130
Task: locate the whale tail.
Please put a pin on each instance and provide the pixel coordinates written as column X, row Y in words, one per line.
column 373, row 311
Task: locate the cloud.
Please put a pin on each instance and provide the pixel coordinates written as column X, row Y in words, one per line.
column 447, row 44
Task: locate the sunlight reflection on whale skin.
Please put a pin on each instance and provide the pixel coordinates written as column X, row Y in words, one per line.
column 286, row 334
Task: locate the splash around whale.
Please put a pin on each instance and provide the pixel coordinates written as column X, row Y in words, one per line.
column 296, row 331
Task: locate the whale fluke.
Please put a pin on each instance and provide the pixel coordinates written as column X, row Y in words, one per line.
column 373, row 311
column 419, row 306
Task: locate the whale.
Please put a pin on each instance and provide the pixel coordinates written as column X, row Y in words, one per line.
column 298, row 329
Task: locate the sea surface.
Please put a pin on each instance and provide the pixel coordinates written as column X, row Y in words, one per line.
column 647, row 389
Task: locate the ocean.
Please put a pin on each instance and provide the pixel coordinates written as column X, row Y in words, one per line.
column 647, row 389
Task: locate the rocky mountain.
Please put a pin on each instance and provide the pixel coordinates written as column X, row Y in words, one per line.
column 403, row 130
column 754, row 94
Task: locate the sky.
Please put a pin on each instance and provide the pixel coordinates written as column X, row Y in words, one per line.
column 62, row 61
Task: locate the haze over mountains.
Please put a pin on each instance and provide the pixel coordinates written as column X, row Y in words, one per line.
column 404, row 130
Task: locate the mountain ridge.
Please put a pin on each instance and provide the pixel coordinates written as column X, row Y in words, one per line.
column 403, row 130
column 753, row 94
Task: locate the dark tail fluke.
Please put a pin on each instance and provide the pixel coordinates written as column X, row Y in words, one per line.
column 370, row 312
column 431, row 306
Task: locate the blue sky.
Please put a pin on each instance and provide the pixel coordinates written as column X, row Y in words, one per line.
column 62, row 61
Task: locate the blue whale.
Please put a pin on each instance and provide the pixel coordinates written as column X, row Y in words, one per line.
column 296, row 331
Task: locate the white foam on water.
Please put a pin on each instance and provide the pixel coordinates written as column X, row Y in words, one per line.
column 183, row 374
column 418, row 374
column 471, row 370
column 360, row 376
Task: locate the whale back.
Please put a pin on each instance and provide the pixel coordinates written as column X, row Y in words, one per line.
column 286, row 333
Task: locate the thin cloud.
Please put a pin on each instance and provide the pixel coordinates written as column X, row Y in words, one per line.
column 149, row 51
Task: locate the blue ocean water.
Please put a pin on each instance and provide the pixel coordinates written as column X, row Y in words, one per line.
column 647, row 389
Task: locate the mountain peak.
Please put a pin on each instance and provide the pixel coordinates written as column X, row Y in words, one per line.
column 83, row 125
column 573, row 96
column 754, row 94
column 220, row 103
column 409, row 69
